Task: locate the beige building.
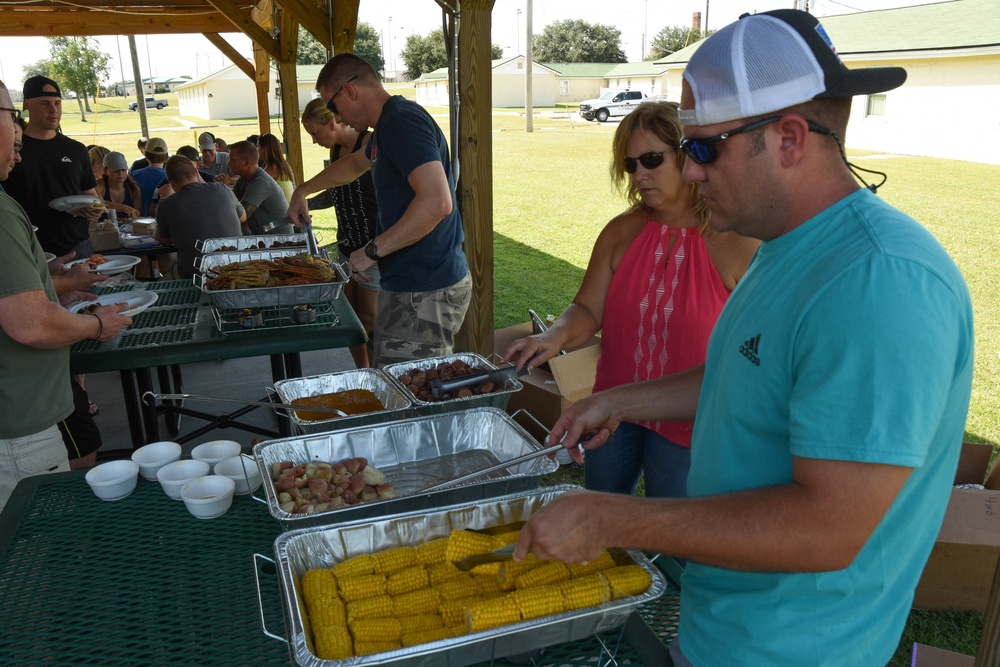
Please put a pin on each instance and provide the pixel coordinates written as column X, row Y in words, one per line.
column 228, row 93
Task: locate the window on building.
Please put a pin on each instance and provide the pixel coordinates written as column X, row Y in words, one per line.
column 876, row 105
column 564, row 88
column 520, row 64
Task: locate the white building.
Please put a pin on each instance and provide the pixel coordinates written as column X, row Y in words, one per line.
column 228, row 93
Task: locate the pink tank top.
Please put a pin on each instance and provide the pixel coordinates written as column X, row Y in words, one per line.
column 659, row 313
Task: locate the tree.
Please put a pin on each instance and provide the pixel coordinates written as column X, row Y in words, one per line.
column 309, row 51
column 78, row 65
column 426, row 54
column 576, row 41
column 39, row 68
column 366, row 46
column 673, row 38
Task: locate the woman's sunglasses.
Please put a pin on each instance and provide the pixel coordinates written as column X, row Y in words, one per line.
column 650, row 160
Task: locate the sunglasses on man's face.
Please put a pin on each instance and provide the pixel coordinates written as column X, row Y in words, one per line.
column 331, row 105
column 650, row 160
column 15, row 114
column 705, row 150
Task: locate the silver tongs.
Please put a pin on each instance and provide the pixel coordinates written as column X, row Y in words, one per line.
column 551, row 449
column 441, row 387
column 150, row 399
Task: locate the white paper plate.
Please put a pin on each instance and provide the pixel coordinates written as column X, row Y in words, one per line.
column 75, row 203
column 138, row 300
column 116, row 264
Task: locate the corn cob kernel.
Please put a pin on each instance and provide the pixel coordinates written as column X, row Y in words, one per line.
column 588, row 591
column 510, row 571
column 367, row 648
column 425, row 636
column 332, row 643
column 353, row 567
column 431, row 553
column 420, row 622
column 602, row 562
column 409, row 579
column 456, row 630
column 503, row 539
column 442, row 572
column 456, row 589
column 318, row 587
column 552, row 572
column 453, row 611
column 393, row 560
column 376, row 629
column 489, row 586
column 380, row 606
column 486, row 570
column 333, row 613
column 361, row 587
column 423, row 601
column 463, row 543
column 538, row 601
column 491, row 613
column 627, row 580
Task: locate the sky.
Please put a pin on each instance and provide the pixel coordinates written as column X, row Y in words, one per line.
column 638, row 20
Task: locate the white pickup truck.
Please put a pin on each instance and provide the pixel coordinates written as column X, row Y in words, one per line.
column 151, row 103
column 612, row 103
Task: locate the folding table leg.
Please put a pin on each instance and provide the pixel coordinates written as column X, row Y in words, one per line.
column 150, row 414
column 133, row 407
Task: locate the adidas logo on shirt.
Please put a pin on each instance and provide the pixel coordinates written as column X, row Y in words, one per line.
column 750, row 348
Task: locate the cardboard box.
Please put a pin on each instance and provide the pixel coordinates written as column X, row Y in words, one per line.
column 959, row 573
column 546, row 393
column 104, row 237
column 928, row 656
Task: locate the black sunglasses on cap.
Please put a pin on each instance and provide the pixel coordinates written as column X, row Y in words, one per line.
column 705, row 150
column 650, row 160
column 331, row 106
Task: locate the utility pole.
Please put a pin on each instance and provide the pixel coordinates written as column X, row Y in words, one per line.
column 528, row 120
column 519, row 31
column 139, row 92
column 704, row 24
column 389, row 39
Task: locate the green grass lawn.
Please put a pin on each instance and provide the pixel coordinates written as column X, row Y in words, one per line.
column 552, row 196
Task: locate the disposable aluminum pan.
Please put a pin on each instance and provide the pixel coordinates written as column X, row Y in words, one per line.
column 262, row 297
column 301, row 550
column 395, row 400
column 414, row 454
column 495, row 399
column 247, row 243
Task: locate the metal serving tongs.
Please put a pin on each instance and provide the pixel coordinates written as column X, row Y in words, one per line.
column 149, row 398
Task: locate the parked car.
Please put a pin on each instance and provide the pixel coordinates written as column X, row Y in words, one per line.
column 151, row 102
column 612, row 103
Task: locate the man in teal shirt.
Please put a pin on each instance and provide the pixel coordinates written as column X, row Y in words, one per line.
column 830, row 411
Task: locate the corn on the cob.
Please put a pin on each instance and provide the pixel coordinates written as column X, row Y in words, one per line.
column 588, row 591
column 379, row 606
column 602, row 562
column 626, row 580
column 489, row 586
column 463, row 543
column 332, row 613
column 552, row 572
column 353, row 567
column 453, row 611
column 332, row 643
column 318, row 587
column 456, row 630
column 503, row 539
column 538, row 601
column 376, row 629
column 367, row 648
column 431, row 553
column 361, row 587
column 485, row 570
column 510, row 571
column 393, row 560
column 491, row 613
column 423, row 601
column 425, row 636
column 406, row 580
column 442, row 572
column 420, row 622
column 456, row 589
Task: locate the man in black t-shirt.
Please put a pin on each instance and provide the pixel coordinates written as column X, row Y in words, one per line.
column 52, row 165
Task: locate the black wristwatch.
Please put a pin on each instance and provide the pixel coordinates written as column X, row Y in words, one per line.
column 371, row 252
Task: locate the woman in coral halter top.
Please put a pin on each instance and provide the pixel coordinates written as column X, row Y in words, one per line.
column 656, row 283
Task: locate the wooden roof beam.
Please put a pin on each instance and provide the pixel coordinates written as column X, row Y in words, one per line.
column 231, row 53
column 312, row 19
column 86, row 23
column 345, row 22
column 242, row 20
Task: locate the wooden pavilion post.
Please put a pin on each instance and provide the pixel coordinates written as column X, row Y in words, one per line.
column 289, row 39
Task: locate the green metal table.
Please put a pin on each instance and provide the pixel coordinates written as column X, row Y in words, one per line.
column 181, row 328
column 142, row 582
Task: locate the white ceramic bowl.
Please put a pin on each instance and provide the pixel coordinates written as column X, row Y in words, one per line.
column 154, row 456
column 208, row 497
column 113, row 480
column 240, row 469
column 214, row 451
column 175, row 475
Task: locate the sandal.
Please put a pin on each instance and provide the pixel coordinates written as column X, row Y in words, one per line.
column 93, row 409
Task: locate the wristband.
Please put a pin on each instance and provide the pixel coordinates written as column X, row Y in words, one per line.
column 100, row 327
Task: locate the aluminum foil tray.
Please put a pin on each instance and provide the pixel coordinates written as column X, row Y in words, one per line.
column 261, row 297
column 496, row 399
column 300, row 550
column 247, row 243
column 397, row 401
column 414, row 454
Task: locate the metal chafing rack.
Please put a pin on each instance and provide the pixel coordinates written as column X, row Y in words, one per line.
column 249, row 243
column 262, row 297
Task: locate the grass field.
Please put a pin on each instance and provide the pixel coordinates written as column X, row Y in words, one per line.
column 552, row 196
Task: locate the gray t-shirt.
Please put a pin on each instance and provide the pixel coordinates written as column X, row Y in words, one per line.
column 197, row 211
column 221, row 165
column 263, row 192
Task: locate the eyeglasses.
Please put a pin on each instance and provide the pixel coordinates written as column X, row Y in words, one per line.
column 705, row 150
column 18, row 146
column 650, row 160
column 331, row 107
column 15, row 114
